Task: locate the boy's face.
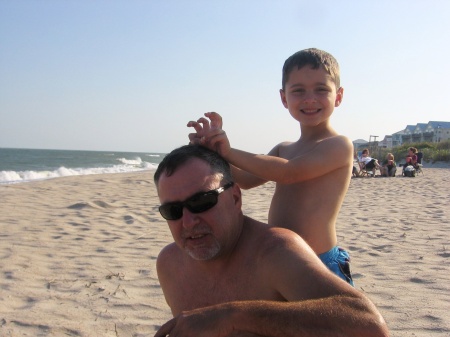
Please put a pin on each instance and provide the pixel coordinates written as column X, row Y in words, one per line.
column 310, row 95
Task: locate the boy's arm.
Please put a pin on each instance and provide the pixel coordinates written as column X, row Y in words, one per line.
column 329, row 155
column 244, row 179
column 203, row 129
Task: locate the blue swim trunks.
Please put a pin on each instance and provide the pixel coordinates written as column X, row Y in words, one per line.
column 337, row 260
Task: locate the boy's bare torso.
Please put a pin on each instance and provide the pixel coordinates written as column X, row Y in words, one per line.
column 310, row 208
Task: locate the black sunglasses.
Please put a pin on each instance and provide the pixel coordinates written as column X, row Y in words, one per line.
column 198, row 203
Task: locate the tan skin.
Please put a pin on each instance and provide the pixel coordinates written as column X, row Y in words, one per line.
column 263, row 281
column 311, row 174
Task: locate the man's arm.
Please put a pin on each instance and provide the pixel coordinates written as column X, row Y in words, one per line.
column 317, row 302
column 326, row 317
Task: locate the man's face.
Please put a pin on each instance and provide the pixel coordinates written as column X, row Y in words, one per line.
column 310, row 95
column 208, row 234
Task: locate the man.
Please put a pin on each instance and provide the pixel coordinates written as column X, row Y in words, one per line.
column 229, row 275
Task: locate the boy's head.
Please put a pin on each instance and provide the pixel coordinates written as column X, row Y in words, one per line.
column 315, row 58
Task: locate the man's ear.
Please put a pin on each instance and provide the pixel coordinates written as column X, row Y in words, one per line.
column 339, row 97
column 237, row 195
column 283, row 98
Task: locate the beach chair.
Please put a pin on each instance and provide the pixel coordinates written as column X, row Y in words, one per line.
column 419, row 165
column 363, row 171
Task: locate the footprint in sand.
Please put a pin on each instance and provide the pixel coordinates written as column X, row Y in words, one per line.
column 128, row 219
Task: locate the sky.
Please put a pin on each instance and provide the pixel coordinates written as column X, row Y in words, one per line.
column 128, row 75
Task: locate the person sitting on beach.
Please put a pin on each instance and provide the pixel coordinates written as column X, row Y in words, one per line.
column 369, row 162
column 388, row 167
column 411, row 158
column 227, row 274
column 311, row 174
column 411, row 163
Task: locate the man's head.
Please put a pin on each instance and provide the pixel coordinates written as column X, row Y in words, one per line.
column 181, row 155
column 199, row 201
column 314, row 58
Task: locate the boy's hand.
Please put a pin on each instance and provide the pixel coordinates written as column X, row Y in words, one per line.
column 202, row 127
column 216, row 120
column 209, row 133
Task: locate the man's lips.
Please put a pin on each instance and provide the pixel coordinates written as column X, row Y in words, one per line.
column 195, row 237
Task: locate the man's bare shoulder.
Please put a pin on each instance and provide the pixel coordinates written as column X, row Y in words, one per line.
column 269, row 238
column 168, row 256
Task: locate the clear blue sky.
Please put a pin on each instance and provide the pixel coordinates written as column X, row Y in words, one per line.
column 128, row 75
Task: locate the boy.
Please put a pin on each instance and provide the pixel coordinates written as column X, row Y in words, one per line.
column 311, row 174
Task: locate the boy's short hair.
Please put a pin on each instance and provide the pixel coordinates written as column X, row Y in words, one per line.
column 183, row 154
column 315, row 58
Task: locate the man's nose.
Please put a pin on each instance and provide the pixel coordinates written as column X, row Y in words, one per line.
column 189, row 219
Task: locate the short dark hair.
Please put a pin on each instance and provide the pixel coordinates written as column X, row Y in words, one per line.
column 315, row 58
column 181, row 155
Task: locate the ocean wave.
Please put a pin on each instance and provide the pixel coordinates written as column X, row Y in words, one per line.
column 14, row 177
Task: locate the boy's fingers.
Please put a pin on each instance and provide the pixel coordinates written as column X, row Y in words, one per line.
column 215, row 133
column 198, row 127
column 194, row 138
column 205, row 123
column 216, row 120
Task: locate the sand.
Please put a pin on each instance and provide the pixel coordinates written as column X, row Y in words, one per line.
column 77, row 254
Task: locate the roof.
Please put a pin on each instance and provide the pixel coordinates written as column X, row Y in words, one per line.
column 360, row 141
column 435, row 124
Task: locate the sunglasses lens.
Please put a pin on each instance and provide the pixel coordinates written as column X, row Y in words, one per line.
column 171, row 211
column 198, row 203
column 202, row 202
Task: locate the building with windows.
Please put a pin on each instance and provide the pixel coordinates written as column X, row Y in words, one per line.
column 433, row 132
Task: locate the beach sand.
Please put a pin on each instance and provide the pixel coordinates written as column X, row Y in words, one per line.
column 77, row 254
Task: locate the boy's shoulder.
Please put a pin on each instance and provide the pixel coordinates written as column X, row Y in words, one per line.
column 332, row 142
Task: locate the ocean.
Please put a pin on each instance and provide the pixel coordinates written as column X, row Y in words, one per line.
column 25, row 165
